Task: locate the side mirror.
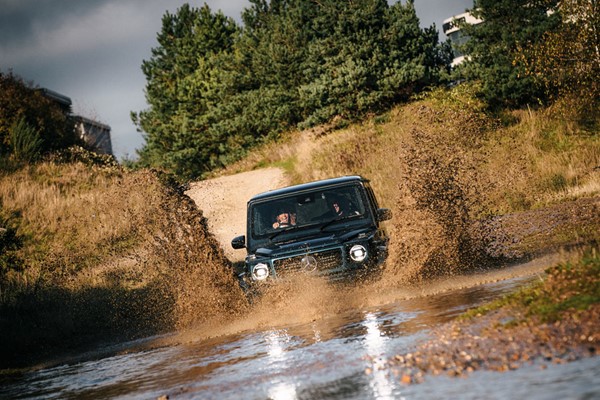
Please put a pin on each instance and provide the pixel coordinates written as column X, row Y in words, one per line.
column 239, row 242
column 383, row 214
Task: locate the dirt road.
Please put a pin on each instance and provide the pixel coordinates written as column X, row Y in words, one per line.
column 223, row 202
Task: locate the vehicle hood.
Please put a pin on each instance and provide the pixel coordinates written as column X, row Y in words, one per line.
column 312, row 243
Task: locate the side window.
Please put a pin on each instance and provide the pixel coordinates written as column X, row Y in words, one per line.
column 349, row 199
column 372, row 197
column 260, row 219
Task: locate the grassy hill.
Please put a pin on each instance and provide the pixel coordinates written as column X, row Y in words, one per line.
column 460, row 179
column 91, row 252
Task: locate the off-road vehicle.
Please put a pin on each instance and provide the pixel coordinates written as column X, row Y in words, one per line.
column 329, row 227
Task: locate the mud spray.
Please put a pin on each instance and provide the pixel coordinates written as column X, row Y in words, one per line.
column 433, row 249
column 432, row 230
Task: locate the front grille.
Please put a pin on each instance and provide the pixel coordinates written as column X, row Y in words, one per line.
column 326, row 260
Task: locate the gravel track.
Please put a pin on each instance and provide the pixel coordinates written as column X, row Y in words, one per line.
column 223, row 202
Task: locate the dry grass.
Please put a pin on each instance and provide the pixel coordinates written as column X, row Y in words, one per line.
column 71, row 212
column 542, row 159
column 105, row 255
column 442, row 161
column 523, row 159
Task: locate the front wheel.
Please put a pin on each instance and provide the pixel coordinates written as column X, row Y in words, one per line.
column 250, row 291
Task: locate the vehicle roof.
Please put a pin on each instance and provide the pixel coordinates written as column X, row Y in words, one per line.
column 308, row 186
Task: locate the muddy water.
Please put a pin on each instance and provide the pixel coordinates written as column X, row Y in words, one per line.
column 324, row 356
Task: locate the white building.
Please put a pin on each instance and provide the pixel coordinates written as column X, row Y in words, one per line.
column 452, row 29
column 95, row 134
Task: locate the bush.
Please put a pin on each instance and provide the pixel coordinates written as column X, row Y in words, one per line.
column 21, row 102
column 25, row 141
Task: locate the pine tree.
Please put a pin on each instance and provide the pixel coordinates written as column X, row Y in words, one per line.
column 494, row 44
column 215, row 89
column 173, row 127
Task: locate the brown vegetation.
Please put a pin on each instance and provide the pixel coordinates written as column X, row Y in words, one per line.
column 449, row 170
column 91, row 252
column 104, row 255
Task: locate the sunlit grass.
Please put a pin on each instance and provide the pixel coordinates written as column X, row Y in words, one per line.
column 72, row 214
column 520, row 159
column 570, row 286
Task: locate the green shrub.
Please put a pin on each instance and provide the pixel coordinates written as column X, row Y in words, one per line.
column 25, row 140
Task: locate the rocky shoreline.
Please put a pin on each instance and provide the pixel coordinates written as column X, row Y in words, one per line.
column 493, row 343
column 557, row 322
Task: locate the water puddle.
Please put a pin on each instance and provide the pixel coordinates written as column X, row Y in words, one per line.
column 327, row 357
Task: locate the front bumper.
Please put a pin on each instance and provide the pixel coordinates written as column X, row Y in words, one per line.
column 333, row 262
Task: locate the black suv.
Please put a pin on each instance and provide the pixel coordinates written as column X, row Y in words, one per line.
column 329, row 227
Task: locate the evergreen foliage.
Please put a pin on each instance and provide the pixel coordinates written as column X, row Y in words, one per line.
column 25, row 141
column 24, row 110
column 216, row 89
column 494, row 47
column 183, row 82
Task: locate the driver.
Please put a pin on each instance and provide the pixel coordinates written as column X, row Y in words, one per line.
column 284, row 219
column 336, row 208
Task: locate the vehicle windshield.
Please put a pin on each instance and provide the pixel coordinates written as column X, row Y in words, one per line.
column 300, row 210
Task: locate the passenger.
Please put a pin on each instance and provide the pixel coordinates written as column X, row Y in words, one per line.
column 339, row 207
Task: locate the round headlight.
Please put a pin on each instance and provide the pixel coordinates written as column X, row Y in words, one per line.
column 260, row 271
column 358, row 253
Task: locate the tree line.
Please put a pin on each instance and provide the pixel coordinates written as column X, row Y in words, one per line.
column 216, row 88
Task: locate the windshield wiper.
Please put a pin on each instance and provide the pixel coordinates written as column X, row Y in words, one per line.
column 326, row 224
column 279, row 232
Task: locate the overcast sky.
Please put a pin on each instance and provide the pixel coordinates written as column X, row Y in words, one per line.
column 92, row 50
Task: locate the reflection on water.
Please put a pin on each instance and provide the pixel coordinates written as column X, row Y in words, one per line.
column 325, row 358
column 375, row 346
column 283, row 391
column 277, row 342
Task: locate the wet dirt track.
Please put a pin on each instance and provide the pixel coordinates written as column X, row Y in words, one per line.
column 334, row 357
column 307, row 341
